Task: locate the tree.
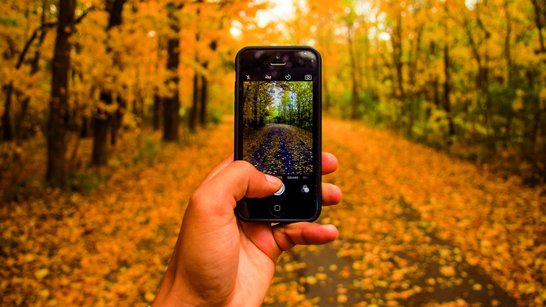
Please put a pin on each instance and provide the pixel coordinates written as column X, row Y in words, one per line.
column 103, row 120
column 171, row 103
column 58, row 104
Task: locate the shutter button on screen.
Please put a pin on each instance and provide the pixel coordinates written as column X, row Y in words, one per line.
column 276, row 209
column 280, row 191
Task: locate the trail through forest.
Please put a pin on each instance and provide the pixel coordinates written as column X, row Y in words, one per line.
column 416, row 226
column 281, row 149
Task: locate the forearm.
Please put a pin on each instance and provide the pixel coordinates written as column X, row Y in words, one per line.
column 175, row 292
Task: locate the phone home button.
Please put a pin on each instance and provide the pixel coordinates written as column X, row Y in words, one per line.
column 276, row 209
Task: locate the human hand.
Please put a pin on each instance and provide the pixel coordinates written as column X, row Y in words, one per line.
column 219, row 260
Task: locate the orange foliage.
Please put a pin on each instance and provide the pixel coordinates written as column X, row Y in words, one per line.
column 405, row 206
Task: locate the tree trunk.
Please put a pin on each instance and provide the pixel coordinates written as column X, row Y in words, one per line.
column 354, row 82
column 104, row 121
column 100, row 132
column 326, row 91
column 204, row 89
column 203, row 101
column 509, row 76
column 84, row 131
column 58, row 104
column 539, row 25
column 35, row 67
column 195, row 104
column 397, row 56
column 171, row 104
column 7, row 128
column 447, row 90
column 116, row 119
column 194, row 111
column 157, row 112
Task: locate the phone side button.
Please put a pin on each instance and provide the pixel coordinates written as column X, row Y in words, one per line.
column 276, row 209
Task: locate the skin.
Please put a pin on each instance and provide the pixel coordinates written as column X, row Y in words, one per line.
column 221, row 261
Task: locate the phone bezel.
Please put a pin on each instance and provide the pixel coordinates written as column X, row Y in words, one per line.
column 317, row 133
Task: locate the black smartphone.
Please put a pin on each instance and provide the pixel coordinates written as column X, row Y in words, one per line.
column 278, row 129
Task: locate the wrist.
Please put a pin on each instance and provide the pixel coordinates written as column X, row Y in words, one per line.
column 176, row 292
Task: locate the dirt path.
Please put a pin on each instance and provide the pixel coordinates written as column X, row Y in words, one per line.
column 280, row 149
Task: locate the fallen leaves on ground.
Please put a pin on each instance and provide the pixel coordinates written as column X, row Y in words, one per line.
column 419, row 227
column 414, row 224
column 280, row 149
column 111, row 245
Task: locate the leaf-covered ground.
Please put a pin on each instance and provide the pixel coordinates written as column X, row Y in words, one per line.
column 417, row 227
column 280, row 149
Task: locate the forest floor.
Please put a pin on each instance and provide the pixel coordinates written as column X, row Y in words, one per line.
column 416, row 227
column 280, row 149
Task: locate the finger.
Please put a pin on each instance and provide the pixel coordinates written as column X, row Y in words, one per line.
column 287, row 236
column 240, row 179
column 219, row 168
column 329, row 163
column 331, row 194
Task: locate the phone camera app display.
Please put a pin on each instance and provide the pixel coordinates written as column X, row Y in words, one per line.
column 278, row 125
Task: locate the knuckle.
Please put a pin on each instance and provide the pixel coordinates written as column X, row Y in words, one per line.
column 243, row 165
column 198, row 197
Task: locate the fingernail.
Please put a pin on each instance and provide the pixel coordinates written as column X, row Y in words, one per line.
column 272, row 179
column 329, row 227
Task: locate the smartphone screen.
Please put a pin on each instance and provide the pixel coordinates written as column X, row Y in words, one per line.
column 278, row 117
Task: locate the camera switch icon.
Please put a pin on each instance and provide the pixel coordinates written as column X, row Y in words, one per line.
column 305, row 189
column 288, row 77
column 308, row 77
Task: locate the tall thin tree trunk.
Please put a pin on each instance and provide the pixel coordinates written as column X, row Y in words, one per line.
column 7, row 127
column 104, row 121
column 58, row 103
column 157, row 112
column 509, row 77
column 354, row 82
column 539, row 25
column 171, row 104
column 447, row 91
column 100, row 133
column 203, row 100
column 194, row 111
column 326, row 91
column 35, row 67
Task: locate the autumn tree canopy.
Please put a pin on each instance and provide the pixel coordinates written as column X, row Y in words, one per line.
column 97, row 91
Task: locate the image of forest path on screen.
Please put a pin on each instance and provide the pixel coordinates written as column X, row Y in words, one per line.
column 277, row 126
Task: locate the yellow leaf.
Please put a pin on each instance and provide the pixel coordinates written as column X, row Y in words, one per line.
column 342, row 298
column 40, row 274
column 311, row 280
column 448, row 271
column 149, row 296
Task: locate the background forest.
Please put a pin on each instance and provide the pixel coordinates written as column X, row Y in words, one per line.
column 280, row 102
column 464, row 76
column 436, row 110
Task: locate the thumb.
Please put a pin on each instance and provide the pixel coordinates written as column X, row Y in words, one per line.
column 238, row 180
